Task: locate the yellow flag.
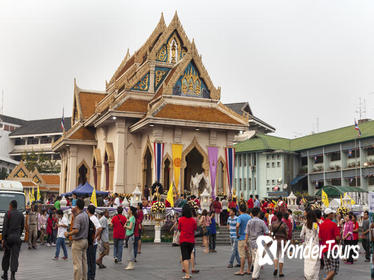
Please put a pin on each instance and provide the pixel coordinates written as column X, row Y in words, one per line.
column 38, row 197
column 352, row 201
column 341, row 200
column 275, row 202
column 177, row 159
column 93, row 199
column 170, row 196
column 325, row 199
column 32, row 195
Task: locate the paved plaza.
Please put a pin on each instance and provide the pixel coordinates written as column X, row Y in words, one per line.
column 162, row 262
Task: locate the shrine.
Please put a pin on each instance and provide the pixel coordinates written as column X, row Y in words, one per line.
column 160, row 119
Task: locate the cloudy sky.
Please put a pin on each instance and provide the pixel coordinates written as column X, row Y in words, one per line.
column 294, row 61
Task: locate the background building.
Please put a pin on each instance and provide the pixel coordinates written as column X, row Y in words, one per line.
column 7, row 125
column 338, row 157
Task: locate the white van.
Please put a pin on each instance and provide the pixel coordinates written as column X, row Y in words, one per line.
column 10, row 190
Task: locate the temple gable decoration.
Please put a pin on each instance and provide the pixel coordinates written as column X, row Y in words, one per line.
column 190, row 83
column 160, row 75
column 172, row 51
column 143, row 84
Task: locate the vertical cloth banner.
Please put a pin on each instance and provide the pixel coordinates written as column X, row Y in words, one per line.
column 325, row 198
column 213, row 157
column 158, row 149
column 177, row 159
column 93, row 199
column 230, row 164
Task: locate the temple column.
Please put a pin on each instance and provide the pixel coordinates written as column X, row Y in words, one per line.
column 72, row 169
column 119, row 164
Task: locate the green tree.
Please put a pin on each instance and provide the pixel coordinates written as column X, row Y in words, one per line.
column 42, row 162
column 3, row 174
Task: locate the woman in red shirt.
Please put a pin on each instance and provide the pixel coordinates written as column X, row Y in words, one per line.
column 187, row 227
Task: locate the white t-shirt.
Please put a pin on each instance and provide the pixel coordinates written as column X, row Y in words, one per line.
column 61, row 230
column 97, row 225
column 117, row 202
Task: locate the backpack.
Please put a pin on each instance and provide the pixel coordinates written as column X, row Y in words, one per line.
column 91, row 232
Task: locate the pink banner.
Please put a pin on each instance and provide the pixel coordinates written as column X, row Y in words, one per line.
column 213, row 157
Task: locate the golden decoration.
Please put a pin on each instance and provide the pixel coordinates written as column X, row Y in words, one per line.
column 162, row 54
column 191, row 83
column 143, row 84
column 159, row 75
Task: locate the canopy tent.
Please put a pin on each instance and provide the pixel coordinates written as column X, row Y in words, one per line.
column 85, row 189
column 297, row 179
column 336, row 191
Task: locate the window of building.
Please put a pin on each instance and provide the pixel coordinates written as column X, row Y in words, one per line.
column 240, row 160
column 17, row 158
column 336, row 182
column 57, row 157
column 353, row 153
column 272, row 156
column 45, row 140
column 240, row 184
column 304, row 161
column 20, row 141
column 273, row 182
column 32, row 141
column 249, row 183
column 268, row 164
column 57, row 137
column 244, row 184
column 249, row 159
column 268, row 157
column 244, row 160
column 267, row 189
column 235, row 182
column 318, row 159
column 371, row 181
column 335, row 156
column 278, row 156
column 273, row 164
column 278, row 164
column 267, row 182
column 370, row 151
column 254, row 160
column 254, row 183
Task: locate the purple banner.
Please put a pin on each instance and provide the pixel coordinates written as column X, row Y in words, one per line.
column 213, row 157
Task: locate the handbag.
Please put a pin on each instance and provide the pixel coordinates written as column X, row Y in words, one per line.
column 176, row 237
column 199, row 232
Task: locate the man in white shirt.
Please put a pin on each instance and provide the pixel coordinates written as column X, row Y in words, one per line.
column 63, row 224
column 117, row 202
column 91, row 250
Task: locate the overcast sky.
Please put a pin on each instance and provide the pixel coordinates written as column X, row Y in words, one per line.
column 293, row 61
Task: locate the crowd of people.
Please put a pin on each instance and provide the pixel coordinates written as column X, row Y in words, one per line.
column 88, row 233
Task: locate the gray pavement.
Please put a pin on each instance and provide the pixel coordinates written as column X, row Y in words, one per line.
column 162, row 262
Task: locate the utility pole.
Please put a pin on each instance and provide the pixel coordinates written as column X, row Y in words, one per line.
column 361, row 110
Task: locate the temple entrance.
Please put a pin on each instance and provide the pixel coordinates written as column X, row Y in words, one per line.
column 82, row 179
column 194, row 160
column 221, row 176
column 166, row 174
column 147, row 168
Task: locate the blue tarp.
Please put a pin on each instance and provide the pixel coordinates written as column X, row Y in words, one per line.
column 85, row 189
column 297, row 179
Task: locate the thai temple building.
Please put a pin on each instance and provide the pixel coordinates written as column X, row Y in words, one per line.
column 160, row 119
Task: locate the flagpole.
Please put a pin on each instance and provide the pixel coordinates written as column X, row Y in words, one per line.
column 356, row 159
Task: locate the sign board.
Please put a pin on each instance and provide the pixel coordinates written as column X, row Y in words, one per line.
column 277, row 194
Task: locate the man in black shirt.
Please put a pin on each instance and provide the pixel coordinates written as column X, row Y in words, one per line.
column 14, row 223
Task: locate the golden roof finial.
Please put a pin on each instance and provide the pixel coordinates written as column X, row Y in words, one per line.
column 162, row 20
column 127, row 54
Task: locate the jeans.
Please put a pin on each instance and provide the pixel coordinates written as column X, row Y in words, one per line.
column 366, row 246
column 117, row 249
column 212, row 241
column 61, row 243
column 234, row 251
column 136, row 245
column 131, row 256
column 91, row 262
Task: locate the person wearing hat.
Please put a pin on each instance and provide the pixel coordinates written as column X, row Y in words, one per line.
column 328, row 231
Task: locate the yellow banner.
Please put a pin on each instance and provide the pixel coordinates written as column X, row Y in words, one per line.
column 325, row 199
column 177, row 160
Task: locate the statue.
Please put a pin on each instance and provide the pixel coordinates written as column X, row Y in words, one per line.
column 195, row 182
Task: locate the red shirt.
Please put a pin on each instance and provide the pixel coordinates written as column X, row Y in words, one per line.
column 217, row 206
column 355, row 234
column 328, row 230
column 197, row 202
column 232, row 205
column 288, row 223
column 167, row 203
column 250, row 203
column 187, row 227
column 118, row 223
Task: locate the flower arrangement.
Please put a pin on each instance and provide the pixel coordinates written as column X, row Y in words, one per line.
column 193, row 205
column 158, row 207
column 342, row 211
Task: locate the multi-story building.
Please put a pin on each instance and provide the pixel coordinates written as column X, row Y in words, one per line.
column 338, row 157
column 7, row 125
column 37, row 136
